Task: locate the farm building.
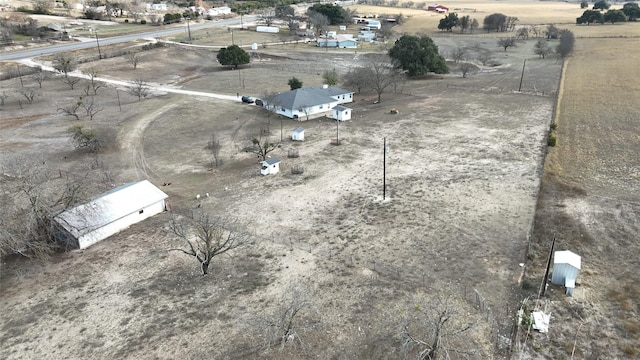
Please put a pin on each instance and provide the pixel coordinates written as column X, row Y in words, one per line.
column 341, row 113
column 307, row 102
column 270, row 166
column 437, row 8
column 343, row 41
column 109, row 213
column 297, row 134
column 566, row 266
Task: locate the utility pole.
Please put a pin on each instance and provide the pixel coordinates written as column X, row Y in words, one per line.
column 384, row 170
column 522, row 75
column 98, row 42
column 189, row 28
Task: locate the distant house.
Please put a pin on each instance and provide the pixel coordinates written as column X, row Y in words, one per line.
column 366, row 36
column 437, row 8
column 326, row 41
column 308, row 102
column 346, row 41
column 374, row 24
column 341, row 113
column 270, row 166
column 157, row 7
column 110, row 213
column 297, row 134
column 566, row 266
column 217, row 11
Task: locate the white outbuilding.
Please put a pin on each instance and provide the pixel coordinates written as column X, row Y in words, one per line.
column 109, row 213
column 270, row 166
column 341, row 113
column 566, row 266
column 297, row 134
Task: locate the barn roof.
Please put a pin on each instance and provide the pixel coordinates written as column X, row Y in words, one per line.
column 109, row 207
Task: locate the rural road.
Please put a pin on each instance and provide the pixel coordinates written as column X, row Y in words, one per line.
column 48, row 50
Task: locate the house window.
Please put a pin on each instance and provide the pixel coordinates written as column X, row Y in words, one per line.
column 141, row 211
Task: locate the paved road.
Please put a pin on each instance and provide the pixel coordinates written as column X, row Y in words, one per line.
column 48, row 50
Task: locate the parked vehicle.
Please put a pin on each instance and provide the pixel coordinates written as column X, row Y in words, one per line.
column 259, row 102
column 247, row 99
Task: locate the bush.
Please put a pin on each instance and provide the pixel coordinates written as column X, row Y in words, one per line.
column 143, row 22
column 552, row 140
column 126, row 21
column 297, row 170
column 554, row 125
column 293, row 153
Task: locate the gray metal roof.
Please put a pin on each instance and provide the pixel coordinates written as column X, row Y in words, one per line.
column 298, row 130
column 271, row 161
column 341, row 108
column 308, row 96
column 110, row 206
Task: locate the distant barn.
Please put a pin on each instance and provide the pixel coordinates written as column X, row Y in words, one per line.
column 109, row 213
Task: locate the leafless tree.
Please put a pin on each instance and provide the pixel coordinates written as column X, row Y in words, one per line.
column 319, row 22
column 263, row 148
column 208, row 236
column 304, row 108
column 267, row 16
column 465, row 67
column 214, row 145
column 40, row 77
column 71, row 110
column 484, row 58
column 535, row 30
column 434, row 327
column 287, row 323
column 507, row 42
column 458, row 54
column 92, row 73
column 91, row 107
column 510, row 23
column 83, row 138
column 71, row 81
column 134, row 59
column 64, row 65
column 3, row 97
column 139, row 88
column 27, row 93
column 381, row 74
column 356, row 78
column 32, row 196
column 522, row 33
column 542, row 48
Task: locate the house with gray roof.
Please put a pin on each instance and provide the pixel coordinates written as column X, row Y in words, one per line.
column 308, row 102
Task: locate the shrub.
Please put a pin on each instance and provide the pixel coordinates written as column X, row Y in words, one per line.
column 554, row 125
column 126, row 21
column 552, row 140
column 293, row 153
column 297, row 170
column 143, row 22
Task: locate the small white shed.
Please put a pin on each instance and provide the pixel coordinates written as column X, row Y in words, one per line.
column 270, row 166
column 109, row 213
column 566, row 266
column 341, row 113
column 297, row 134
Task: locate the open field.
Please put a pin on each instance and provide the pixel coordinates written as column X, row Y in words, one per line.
column 590, row 200
column 463, row 173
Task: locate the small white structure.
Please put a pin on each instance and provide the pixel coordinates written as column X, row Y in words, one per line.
column 541, row 321
column 217, row 11
column 157, row 7
column 110, row 213
column 268, row 29
column 297, row 134
column 270, row 166
column 566, row 266
column 341, row 113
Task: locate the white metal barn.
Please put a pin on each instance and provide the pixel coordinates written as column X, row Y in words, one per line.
column 297, row 134
column 270, row 166
column 566, row 266
column 341, row 113
column 109, row 213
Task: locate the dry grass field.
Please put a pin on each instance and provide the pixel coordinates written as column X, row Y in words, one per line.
column 463, row 174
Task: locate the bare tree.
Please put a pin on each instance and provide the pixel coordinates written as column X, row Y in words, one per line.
column 134, row 59
column 465, row 67
column 542, row 48
column 71, row 110
column 381, row 74
column 29, row 94
column 507, row 42
column 434, row 327
column 267, row 16
column 139, row 88
column 3, row 97
column 92, row 73
column 262, row 149
column 83, row 138
column 458, row 54
column 285, row 325
column 214, row 145
column 31, row 199
column 523, row 33
column 208, row 236
column 319, row 22
column 357, row 78
column 64, row 65
column 40, row 77
column 71, row 81
column 91, row 107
